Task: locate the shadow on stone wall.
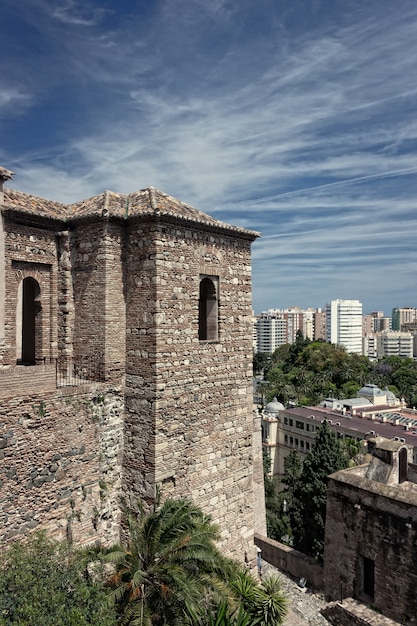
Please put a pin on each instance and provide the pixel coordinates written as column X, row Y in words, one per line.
column 291, row 561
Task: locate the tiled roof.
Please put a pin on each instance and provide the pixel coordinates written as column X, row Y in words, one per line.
column 32, row 205
column 355, row 423
column 148, row 201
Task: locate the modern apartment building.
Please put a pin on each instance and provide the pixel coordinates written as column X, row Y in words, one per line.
column 395, row 343
column 276, row 327
column 344, row 324
column 406, row 315
column 389, row 343
column 380, row 322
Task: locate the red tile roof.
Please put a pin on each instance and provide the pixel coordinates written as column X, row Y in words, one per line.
column 148, row 201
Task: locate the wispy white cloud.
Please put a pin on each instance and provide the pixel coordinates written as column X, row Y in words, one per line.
column 13, row 98
column 301, row 128
column 78, row 13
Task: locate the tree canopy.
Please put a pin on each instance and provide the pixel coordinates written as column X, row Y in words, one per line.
column 308, row 371
column 168, row 563
column 47, row 583
column 169, row 572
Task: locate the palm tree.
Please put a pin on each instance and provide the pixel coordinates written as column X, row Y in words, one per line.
column 167, row 567
column 265, row 603
column 223, row 615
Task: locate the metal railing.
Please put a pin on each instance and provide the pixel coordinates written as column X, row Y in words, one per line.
column 78, row 370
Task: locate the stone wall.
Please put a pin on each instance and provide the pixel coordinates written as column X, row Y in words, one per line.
column 120, row 282
column 377, row 522
column 30, row 252
column 351, row 613
column 291, row 561
column 189, row 418
column 60, row 464
column 96, row 248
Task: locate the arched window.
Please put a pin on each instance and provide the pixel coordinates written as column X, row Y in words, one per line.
column 28, row 327
column 402, row 465
column 208, row 309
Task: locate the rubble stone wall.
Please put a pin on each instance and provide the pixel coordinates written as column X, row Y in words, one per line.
column 364, row 523
column 60, row 464
column 189, row 423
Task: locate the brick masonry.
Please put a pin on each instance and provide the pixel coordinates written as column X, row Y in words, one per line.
column 119, row 278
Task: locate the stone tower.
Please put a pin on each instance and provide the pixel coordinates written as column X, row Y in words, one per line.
column 160, row 293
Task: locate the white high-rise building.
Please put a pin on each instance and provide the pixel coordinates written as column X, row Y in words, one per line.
column 344, row 324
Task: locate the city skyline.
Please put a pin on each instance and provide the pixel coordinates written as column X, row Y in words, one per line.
column 322, row 307
column 294, row 119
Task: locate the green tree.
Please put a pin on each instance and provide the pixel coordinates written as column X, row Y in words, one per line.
column 308, row 371
column 265, row 603
column 308, row 506
column 292, row 471
column 46, row 583
column 223, row 615
column 278, row 498
column 167, row 567
column 261, row 361
column 251, row 603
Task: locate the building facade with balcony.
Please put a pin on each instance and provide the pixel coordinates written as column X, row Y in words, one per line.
column 344, row 324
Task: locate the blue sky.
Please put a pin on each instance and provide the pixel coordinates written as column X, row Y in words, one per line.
column 296, row 118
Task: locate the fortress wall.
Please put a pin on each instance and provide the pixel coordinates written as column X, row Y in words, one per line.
column 60, row 466
column 30, row 252
column 191, row 398
column 363, row 523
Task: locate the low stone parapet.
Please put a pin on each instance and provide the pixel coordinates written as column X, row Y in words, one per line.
column 352, row 613
column 291, row 561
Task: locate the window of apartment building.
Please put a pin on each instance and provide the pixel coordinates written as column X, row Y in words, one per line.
column 291, row 441
column 286, row 439
column 290, row 422
column 286, row 421
column 307, row 445
column 296, row 441
column 302, row 443
column 208, row 309
column 299, row 425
